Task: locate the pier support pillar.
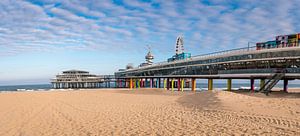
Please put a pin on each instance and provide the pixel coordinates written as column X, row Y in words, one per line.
column 252, row 85
column 210, row 84
column 262, row 82
column 178, row 84
column 193, row 84
column 165, row 84
column 229, row 83
column 151, row 82
column 142, row 83
column 139, row 83
column 145, row 83
column 130, row 83
column 159, row 83
column 135, row 81
column 172, row 85
column 285, row 85
column 168, row 84
column 182, row 84
column 116, row 83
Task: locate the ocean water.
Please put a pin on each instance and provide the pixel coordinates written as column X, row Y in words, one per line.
column 43, row 87
column 25, row 87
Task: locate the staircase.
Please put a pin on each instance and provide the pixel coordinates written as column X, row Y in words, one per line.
column 266, row 88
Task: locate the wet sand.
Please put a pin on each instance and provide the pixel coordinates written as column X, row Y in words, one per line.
column 147, row 112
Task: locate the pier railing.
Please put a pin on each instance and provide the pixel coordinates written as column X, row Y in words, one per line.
column 203, row 56
column 237, row 50
column 250, row 71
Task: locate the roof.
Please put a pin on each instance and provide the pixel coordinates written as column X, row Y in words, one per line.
column 75, row 71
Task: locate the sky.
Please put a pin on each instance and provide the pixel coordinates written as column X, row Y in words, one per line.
column 41, row 38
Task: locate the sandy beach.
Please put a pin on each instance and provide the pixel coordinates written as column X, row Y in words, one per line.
column 147, row 112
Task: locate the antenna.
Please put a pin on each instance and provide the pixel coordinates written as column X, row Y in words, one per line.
column 148, row 47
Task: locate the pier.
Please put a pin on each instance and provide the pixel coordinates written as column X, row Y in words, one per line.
column 80, row 79
column 269, row 64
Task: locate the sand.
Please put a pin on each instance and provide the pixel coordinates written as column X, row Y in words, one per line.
column 147, row 112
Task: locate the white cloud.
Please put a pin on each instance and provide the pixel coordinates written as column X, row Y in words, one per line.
column 92, row 24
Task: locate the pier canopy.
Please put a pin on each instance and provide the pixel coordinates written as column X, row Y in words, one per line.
column 76, row 79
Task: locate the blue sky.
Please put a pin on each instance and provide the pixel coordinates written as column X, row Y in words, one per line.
column 40, row 38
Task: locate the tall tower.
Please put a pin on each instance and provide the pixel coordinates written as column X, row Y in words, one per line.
column 149, row 57
column 179, row 45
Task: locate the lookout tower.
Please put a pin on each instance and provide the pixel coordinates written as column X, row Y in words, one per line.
column 149, row 58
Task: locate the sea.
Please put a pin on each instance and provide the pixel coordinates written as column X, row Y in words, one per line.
column 200, row 86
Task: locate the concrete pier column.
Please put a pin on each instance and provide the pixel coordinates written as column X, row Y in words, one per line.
column 178, row 84
column 116, row 83
column 139, row 83
column 120, row 83
column 193, row 84
column 157, row 83
column 125, row 83
column 210, row 84
column 285, row 85
column 168, row 84
column 252, row 85
column 130, row 83
column 165, row 84
column 134, row 83
column 172, row 85
column 146, row 83
column 262, row 82
column 142, row 82
column 182, row 84
column 151, row 82
column 229, row 83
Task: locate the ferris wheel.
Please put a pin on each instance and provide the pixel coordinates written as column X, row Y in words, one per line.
column 179, row 45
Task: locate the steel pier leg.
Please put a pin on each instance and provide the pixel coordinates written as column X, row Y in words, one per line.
column 172, row 85
column 182, row 84
column 178, row 84
column 159, row 83
column 229, row 84
column 131, row 83
column 151, row 79
column 285, row 85
column 193, row 84
column 165, row 84
column 210, row 84
column 252, row 85
column 262, row 82
column 168, row 84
